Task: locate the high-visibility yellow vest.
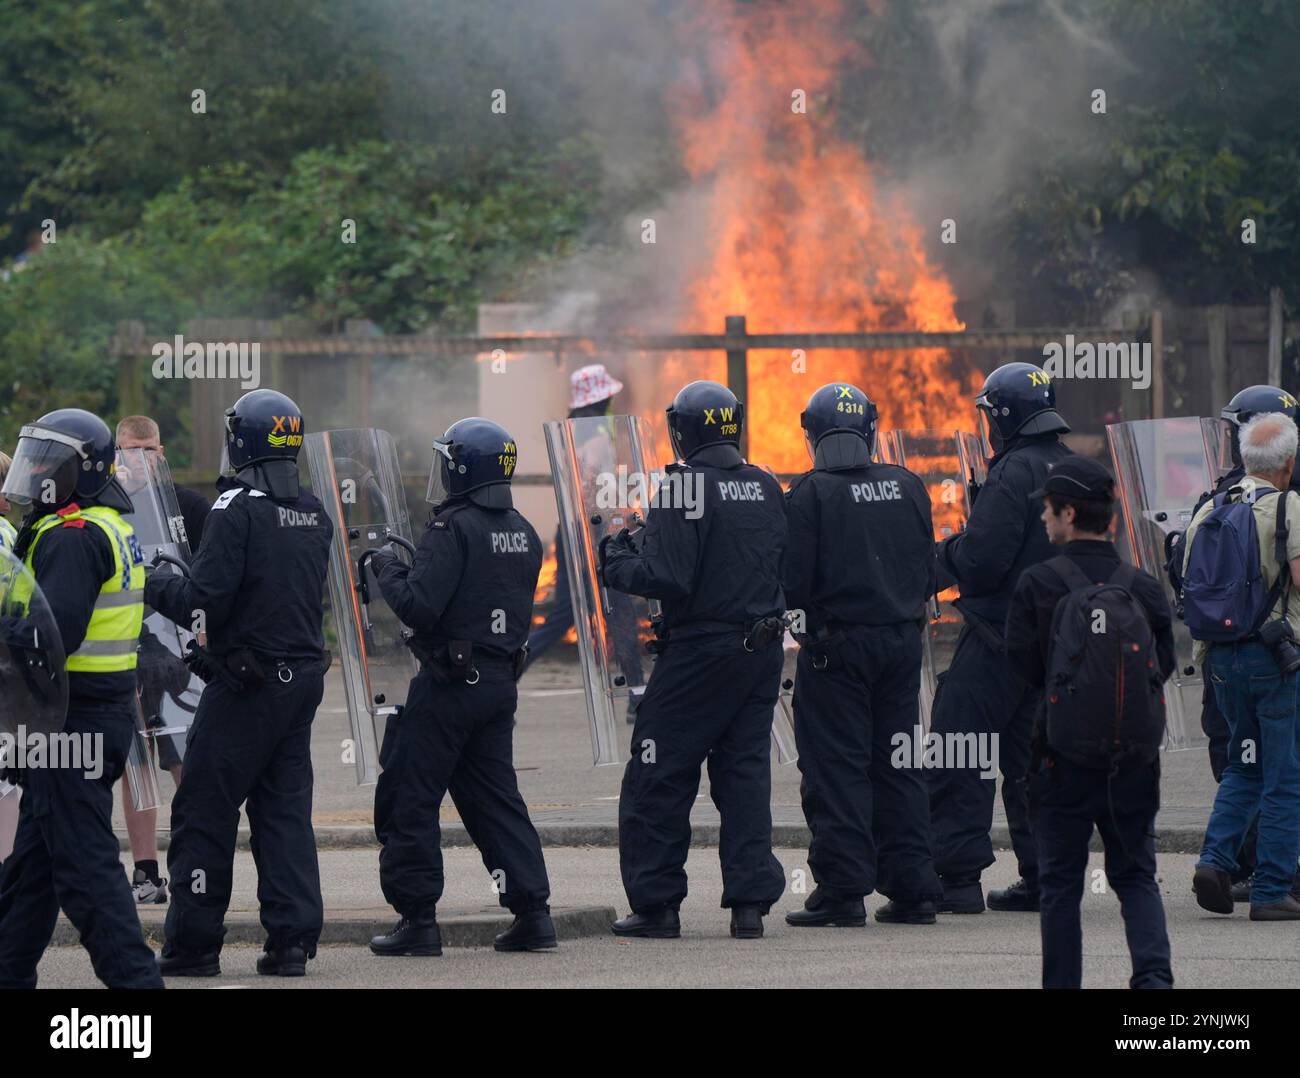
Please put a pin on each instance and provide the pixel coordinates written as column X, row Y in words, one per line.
column 8, row 534
column 114, row 630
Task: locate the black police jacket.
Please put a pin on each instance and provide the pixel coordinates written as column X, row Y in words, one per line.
column 719, row 561
column 1029, row 619
column 1005, row 533
column 258, row 577
column 473, row 578
column 861, row 546
column 70, row 564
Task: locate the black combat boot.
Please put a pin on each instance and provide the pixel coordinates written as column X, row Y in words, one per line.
column 410, row 937
column 660, row 924
column 747, row 922
column 823, row 911
column 287, row 960
column 898, row 911
column 531, row 931
column 961, row 896
column 1020, row 897
column 179, row 964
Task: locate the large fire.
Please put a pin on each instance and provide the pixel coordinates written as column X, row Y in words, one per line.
column 802, row 237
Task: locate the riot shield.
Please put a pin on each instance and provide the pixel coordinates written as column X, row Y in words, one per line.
column 167, row 692
column 356, row 474
column 951, row 464
column 602, row 484
column 1162, row 467
column 33, row 676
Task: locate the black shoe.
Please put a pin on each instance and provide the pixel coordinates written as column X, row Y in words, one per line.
column 1213, row 889
column 1241, row 890
column 1020, row 897
column 961, row 897
column 179, row 964
column 287, row 961
column 819, row 911
column 746, row 922
column 1287, row 909
column 410, row 938
column 660, row 924
column 532, row 931
column 897, row 912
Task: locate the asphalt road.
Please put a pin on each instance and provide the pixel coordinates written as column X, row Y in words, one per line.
column 992, row 950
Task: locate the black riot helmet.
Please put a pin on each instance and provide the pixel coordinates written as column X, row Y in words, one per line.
column 839, row 427
column 704, row 413
column 264, row 431
column 67, row 455
column 1018, row 399
column 1248, row 403
column 474, row 459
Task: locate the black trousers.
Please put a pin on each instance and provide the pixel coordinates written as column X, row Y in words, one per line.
column 708, row 700
column 252, row 747
column 980, row 693
column 870, row 819
column 66, row 856
column 1069, row 801
column 455, row 738
column 1215, row 727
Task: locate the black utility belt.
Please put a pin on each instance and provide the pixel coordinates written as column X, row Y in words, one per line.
column 247, row 668
column 758, row 633
column 455, row 660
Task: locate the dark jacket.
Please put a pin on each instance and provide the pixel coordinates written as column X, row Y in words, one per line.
column 473, row 578
column 1029, row 621
column 861, row 546
column 259, row 579
column 1005, row 534
column 722, row 566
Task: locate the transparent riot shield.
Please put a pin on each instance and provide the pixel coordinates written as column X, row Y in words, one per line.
column 952, row 466
column 356, row 474
column 1162, row 467
column 603, row 484
column 33, row 676
column 167, row 692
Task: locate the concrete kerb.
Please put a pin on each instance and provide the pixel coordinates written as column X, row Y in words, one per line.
column 356, row 926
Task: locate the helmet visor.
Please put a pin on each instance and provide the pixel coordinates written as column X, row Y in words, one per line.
column 990, row 436
column 439, row 489
column 44, row 468
column 226, row 469
column 1227, row 441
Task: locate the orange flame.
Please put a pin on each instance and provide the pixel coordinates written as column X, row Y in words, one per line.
column 802, row 236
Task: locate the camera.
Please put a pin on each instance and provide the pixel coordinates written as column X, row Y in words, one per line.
column 1278, row 638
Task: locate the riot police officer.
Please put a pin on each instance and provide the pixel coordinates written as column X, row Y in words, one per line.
column 716, row 570
column 86, row 562
column 860, row 566
column 980, row 693
column 256, row 587
column 469, row 597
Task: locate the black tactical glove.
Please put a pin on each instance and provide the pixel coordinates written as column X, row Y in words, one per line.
column 384, row 556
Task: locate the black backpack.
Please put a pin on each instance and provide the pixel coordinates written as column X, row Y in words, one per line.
column 1104, row 701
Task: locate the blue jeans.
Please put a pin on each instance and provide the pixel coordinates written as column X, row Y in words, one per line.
column 1262, row 776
